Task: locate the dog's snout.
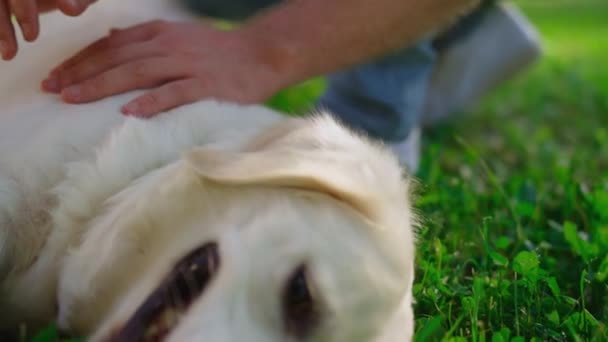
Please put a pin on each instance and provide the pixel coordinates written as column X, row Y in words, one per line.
column 163, row 308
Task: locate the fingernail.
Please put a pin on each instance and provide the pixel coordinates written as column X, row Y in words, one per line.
column 51, row 84
column 72, row 93
column 130, row 109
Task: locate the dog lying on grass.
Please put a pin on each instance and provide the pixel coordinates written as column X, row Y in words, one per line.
column 211, row 222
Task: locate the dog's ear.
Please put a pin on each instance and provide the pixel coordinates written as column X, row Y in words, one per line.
column 282, row 169
column 313, row 154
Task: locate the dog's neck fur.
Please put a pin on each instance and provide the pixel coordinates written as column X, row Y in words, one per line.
column 90, row 182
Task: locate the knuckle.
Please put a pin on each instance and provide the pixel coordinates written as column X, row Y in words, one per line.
column 66, row 78
column 114, row 32
column 75, row 75
column 140, row 70
column 179, row 90
column 113, row 40
column 95, row 86
column 105, row 42
column 109, row 39
column 149, row 100
column 158, row 25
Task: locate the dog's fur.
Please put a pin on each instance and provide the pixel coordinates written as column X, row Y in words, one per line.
column 95, row 209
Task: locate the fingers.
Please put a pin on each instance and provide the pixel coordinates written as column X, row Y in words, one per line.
column 116, row 39
column 8, row 43
column 26, row 13
column 73, row 7
column 166, row 97
column 139, row 74
column 98, row 63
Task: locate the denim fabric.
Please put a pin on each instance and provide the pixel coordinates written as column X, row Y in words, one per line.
column 385, row 97
column 229, row 9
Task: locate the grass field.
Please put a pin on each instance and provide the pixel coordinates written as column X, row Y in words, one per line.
column 516, row 196
column 514, row 246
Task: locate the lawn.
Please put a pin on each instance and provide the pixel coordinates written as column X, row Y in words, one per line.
column 516, row 198
column 514, row 244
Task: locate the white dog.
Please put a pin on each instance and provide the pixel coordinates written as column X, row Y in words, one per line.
column 212, row 222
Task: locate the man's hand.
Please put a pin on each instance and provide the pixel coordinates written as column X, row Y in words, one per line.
column 182, row 62
column 26, row 13
column 291, row 42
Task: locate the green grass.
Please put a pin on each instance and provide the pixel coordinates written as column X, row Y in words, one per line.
column 515, row 196
column 514, row 245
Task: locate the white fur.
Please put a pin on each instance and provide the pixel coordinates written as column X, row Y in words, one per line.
column 95, row 209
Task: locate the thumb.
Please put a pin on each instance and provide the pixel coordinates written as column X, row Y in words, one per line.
column 73, row 7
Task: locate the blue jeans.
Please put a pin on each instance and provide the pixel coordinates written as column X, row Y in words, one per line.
column 383, row 98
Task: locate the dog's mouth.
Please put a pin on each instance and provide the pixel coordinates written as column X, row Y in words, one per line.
column 162, row 310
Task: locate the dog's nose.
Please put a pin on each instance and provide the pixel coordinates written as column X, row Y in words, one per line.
column 163, row 308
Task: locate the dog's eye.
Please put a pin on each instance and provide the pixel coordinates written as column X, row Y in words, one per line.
column 300, row 312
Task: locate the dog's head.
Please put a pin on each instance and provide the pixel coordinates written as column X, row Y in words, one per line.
column 303, row 234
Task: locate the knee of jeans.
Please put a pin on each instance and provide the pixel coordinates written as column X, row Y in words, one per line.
column 228, row 9
column 384, row 98
column 373, row 118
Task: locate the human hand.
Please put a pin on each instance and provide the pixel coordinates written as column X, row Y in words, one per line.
column 26, row 13
column 182, row 62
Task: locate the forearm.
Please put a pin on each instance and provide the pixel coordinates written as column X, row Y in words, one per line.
column 305, row 38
